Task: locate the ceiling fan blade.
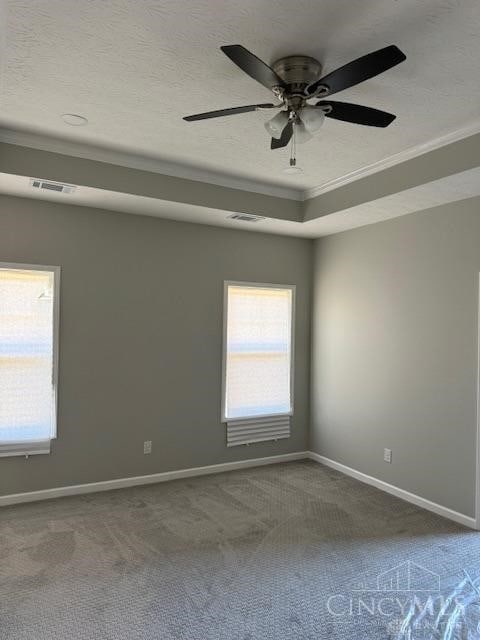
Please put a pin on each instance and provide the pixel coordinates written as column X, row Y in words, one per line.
column 357, row 113
column 287, row 133
column 228, row 112
column 359, row 70
column 253, row 66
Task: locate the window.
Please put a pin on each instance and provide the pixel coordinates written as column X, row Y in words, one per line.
column 257, row 361
column 28, row 358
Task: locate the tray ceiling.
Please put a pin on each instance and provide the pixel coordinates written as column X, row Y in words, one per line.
column 134, row 68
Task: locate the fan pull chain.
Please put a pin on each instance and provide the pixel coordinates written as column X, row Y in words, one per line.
column 293, row 150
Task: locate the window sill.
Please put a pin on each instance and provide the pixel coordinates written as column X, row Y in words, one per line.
column 264, row 416
column 24, row 448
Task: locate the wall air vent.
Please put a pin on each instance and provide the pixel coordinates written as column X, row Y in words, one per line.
column 246, row 217
column 47, row 185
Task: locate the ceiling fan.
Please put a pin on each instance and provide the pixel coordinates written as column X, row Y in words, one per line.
column 296, row 82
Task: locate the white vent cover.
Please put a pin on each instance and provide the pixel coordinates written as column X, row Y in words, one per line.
column 246, row 217
column 47, row 185
column 257, row 430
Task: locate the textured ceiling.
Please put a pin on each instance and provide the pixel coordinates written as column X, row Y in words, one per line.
column 134, row 67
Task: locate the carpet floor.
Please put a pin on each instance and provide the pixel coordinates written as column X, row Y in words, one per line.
column 289, row 551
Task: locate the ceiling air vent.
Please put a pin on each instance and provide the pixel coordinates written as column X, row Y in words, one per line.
column 59, row 187
column 246, row 217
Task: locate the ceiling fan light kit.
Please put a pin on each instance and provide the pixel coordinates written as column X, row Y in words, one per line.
column 276, row 125
column 300, row 133
column 296, row 80
column 313, row 118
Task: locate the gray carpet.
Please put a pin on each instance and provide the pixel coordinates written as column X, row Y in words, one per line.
column 276, row 553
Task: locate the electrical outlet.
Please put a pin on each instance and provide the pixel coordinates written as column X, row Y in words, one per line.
column 387, row 455
column 147, row 446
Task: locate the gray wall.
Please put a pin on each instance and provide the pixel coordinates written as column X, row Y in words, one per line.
column 394, row 360
column 141, row 337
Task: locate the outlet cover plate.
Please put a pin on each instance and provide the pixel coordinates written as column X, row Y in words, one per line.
column 147, row 446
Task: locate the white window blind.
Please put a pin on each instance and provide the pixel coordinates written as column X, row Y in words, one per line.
column 28, row 303
column 257, row 360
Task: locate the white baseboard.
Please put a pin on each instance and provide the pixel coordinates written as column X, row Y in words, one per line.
column 396, row 491
column 120, row 483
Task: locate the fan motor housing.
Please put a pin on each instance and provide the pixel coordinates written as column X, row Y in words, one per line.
column 298, row 70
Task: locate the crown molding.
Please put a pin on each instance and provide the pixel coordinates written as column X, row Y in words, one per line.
column 396, row 158
column 177, row 170
column 143, row 163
